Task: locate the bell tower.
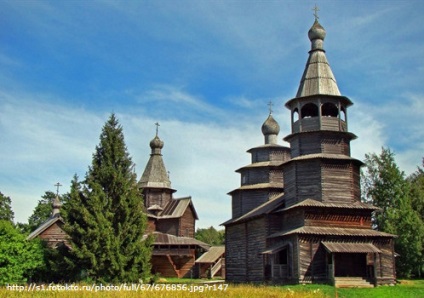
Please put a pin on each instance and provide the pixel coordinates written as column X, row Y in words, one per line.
column 321, row 167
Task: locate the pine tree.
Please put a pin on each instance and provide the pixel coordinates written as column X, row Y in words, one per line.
column 104, row 214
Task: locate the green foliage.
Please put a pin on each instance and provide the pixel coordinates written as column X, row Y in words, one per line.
column 6, row 212
column 417, row 201
column 385, row 186
column 42, row 211
column 210, row 236
column 417, row 190
column 104, row 215
column 19, row 258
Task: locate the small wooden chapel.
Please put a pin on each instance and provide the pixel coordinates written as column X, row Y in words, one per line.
column 297, row 216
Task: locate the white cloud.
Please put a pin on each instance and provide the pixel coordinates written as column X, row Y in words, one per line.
column 51, row 142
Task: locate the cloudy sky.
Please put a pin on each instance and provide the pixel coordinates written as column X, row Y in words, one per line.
column 205, row 70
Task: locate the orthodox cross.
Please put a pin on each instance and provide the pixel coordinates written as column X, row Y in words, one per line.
column 57, row 188
column 270, row 107
column 316, row 9
column 157, row 127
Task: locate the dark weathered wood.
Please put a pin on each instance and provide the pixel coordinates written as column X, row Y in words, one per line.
column 318, row 229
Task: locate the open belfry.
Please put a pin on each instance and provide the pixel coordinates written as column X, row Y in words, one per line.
column 297, row 216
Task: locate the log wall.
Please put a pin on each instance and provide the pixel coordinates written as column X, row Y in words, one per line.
column 54, row 234
column 338, row 185
column 360, row 219
column 187, row 226
column 302, row 181
column 385, row 263
column 236, row 253
column 313, row 261
column 256, row 241
column 156, row 197
column 168, row 226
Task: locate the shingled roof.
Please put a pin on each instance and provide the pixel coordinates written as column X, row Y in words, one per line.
column 44, row 226
column 330, row 231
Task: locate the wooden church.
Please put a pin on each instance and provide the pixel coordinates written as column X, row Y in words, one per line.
column 171, row 220
column 297, row 216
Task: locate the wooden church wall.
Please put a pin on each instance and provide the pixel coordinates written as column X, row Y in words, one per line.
column 154, row 197
column 280, row 155
column 256, row 175
column 252, row 199
column 187, row 224
column 356, row 182
column 335, row 218
column 276, row 176
column 335, row 145
column 313, row 261
column 289, row 184
column 308, row 180
column 236, row 201
column 385, row 263
column 54, row 234
column 292, row 219
column 256, row 242
column 236, row 253
column 168, row 226
column 337, row 182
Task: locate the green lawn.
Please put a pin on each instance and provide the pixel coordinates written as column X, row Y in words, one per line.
column 406, row 288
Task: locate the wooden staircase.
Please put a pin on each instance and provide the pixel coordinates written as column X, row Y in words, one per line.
column 216, row 268
column 352, row 282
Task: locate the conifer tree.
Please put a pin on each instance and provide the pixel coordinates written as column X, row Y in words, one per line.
column 104, row 214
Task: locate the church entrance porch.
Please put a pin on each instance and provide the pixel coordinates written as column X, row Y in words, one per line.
column 348, row 260
column 350, row 264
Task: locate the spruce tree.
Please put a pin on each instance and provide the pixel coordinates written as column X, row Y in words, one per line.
column 104, row 215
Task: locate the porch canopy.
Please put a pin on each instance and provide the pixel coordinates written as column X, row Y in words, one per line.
column 349, row 247
column 275, row 248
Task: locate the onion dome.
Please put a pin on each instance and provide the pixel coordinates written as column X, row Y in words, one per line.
column 270, row 130
column 56, row 206
column 316, row 33
column 156, row 144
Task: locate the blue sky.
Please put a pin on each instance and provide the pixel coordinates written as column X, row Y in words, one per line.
column 205, row 70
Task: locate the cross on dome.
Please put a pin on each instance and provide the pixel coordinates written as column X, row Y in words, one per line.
column 157, row 127
column 270, row 104
column 57, row 188
column 316, row 9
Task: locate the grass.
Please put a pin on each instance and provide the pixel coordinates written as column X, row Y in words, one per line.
column 191, row 288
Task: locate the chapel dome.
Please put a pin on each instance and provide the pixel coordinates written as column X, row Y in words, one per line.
column 316, row 31
column 270, row 126
column 156, row 143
